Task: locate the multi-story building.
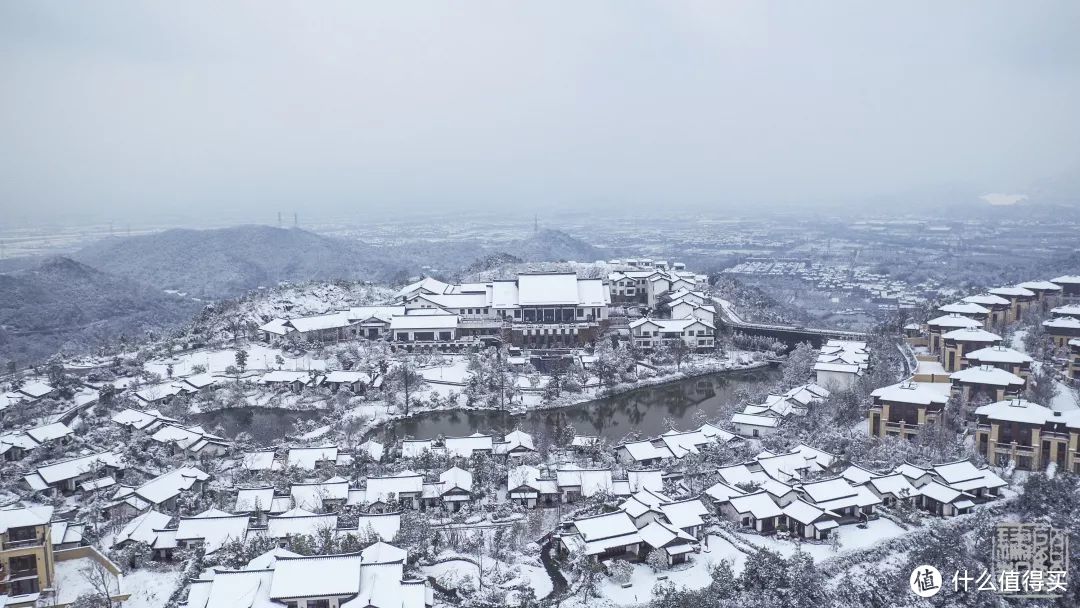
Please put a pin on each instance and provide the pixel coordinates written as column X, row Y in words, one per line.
column 1074, row 359
column 902, row 410
column 959, row 342
column 939, row 326
column 1062, row 329
column 999, row 306
column 1046, row 292
column 1070, row 287
column 985, row 381
column 1001, row 357
column 1028, row 434
column 1020, row 300
column 655, row 333
column 27, row 566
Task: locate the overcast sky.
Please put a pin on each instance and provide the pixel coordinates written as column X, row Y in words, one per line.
column 115, row 110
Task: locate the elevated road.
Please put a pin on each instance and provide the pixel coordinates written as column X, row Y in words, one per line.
column 788, row 334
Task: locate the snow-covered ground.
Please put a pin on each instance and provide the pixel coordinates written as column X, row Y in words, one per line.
column 260, row 357
column 150, row 588
column 695, row 574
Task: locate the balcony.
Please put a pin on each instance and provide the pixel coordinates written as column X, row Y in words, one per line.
column 22, row 544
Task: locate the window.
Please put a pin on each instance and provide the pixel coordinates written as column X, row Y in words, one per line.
column 755, row 432
column 318, row 604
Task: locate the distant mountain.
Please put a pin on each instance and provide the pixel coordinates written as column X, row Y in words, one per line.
column 553, row 246
column 230, row 261
column 62, row 304
column 491, row 261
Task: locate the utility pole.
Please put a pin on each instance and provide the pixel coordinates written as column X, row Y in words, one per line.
column 295, row 220
column 279, row 219
column 536, row 224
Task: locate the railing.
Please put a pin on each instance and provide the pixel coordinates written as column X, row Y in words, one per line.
column 22, row 544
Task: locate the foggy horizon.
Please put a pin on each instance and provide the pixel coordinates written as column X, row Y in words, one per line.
column 190, row 113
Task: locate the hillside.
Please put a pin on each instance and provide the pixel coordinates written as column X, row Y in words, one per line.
column 65, row 305
column 554, row 246
column 230, row 261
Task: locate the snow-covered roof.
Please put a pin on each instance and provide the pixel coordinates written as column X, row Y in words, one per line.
column 591, row 481
column 346, row 377
column 1012, row 292
column 641, row 451
column 213, row 527
column 49, row 432
column 74, row 467
column 1066, row 280
column 954, row 321
column 278, row 327
column 260, row 461
column 987, row 299
column 464, row 447
column 143, row 528
column 722, row 492
column 284, row 376
column 896, row 484
column 965, row 308
column 803, row 512
column 24, row 517
column 1040, row 285
column 986, row 374
column 316, row 576
column 645, row 479
column 455, row 478
column 684, row 513
column 1069, row 310
column 379, row 313
column 308, row 458
column 35, row 389
column 547, row 289
column 311, row 495
column 1024, row 411
column 606, row 531
column 856, row 474
column 964, row 476
column 372, row 448
column 405, row 482
column 16, row 440
column 940, row 493
column 414, row 448
column 385, row 525
column 320, row 322
column 756, row 420
column 424, row 321
column 166, row 486
column 911, row 471
column 254, row 499
column 682, row 443
column 658, row 534
column 191, row 438
column 297, row 522
column 915, row 393
column 515, row 441
column 140, row 419
column 741, row 474
column 971, row 335
column 1062, row 323
column 671, row 325
column 998, row 354
column 759, row 504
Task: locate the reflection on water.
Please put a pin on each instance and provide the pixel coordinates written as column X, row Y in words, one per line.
column 267, row 426
column 646, row 410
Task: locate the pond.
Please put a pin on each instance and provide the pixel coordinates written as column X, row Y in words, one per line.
column 266, row 425
column 648, row 410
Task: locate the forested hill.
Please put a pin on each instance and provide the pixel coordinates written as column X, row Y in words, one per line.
column 230, row 261
column 63, row 304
